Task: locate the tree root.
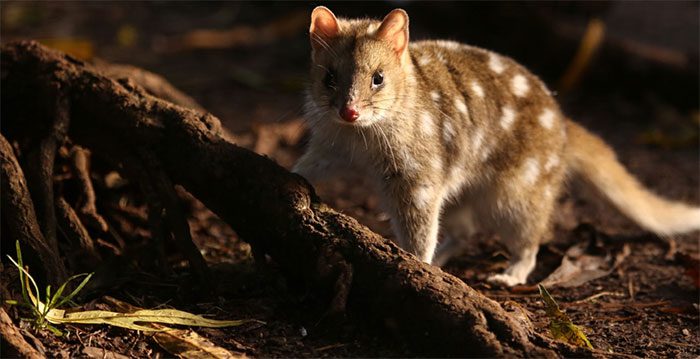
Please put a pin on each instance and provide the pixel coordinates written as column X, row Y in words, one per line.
column 87, row 208
column 175, row 217
column 39, row 164
column 154, row 84
column 70, row 226
column 19, row 215
column 16, row 345
column 436, row 313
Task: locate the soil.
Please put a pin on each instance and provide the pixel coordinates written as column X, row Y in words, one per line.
column 647, row 306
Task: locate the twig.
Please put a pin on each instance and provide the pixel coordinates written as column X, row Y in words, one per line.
column 329, row 347
column 595, row 296
column 590, row 43
column 630, row 288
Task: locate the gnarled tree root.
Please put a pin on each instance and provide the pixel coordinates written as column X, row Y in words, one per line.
column 19, row 216
column 276, row 211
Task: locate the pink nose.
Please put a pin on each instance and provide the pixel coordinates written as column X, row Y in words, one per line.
column 349, row 114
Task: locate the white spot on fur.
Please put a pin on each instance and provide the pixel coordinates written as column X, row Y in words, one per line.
column 496, row 64
column 436, row 163
column 451, row 45
column 441, row 57
column 461, row 106
column 519, row 85
column 547, row 119
column 406, row 160
column 427, row 125
column 456, row 179
column 424, row 60
column 478, row 90
column 485, row 153
column 548, row 191
column 477, row 139
column 507, row 117
column 530, row 171
column 371, row 29
column 448, row 131
column 552, row 161
column 422, row 197
column 435, row 96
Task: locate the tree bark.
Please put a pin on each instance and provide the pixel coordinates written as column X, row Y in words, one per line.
column 276, row 211
column 20, row 217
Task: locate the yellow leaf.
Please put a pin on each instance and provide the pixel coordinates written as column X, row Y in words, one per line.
column 189, row 344
column 130, row 320
column 560, row 326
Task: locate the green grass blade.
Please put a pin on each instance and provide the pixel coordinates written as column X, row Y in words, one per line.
column 36, row 287
column 20, row 264
column 76, row 290
column 54, row 303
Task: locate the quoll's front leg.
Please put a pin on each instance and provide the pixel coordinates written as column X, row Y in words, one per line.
column 315, row 164
column 415, row 215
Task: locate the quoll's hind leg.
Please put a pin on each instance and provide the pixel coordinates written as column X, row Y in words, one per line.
column 521, row 232
column 459, row 226
column 521, row 265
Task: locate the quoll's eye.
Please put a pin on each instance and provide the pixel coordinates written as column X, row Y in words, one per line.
column 377, row 79
column 329, row 79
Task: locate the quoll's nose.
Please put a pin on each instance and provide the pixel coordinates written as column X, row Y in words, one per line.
column 349, row 113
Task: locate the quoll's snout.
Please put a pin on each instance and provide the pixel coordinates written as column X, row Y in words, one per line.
column 349, row 113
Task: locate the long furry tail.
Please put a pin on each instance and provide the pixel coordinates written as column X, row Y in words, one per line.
column 589, row 157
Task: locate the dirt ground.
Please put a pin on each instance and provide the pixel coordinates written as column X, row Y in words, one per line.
column 648, row 306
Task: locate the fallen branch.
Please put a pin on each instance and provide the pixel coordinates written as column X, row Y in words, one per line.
column 276, row 211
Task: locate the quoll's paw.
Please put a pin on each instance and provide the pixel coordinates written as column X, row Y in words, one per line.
column 505, row 280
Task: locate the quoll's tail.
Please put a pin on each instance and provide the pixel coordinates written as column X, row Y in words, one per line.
column 589, row 157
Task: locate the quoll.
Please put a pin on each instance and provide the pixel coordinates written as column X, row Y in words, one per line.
column 456, row 133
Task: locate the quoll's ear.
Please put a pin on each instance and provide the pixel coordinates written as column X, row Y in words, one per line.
column 324, row 27
column 394, row 29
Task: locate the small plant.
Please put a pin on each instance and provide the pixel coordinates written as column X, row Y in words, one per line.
column 41, row 309
column 45, row 313
column 560, row 326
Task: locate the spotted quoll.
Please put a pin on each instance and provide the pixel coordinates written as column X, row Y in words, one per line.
column 454, row 131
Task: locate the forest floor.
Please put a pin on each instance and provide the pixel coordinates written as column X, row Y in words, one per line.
column 647, row 305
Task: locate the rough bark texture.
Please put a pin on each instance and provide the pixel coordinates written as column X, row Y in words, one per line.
column 276, row 211
column 19, row 216
column 13, row 343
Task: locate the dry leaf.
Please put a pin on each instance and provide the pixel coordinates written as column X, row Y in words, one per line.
column 183, row 343
column 189, row 344
column 587, row 261
column 130, row 320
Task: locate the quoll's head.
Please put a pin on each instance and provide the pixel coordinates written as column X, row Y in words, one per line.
column 358, row 72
